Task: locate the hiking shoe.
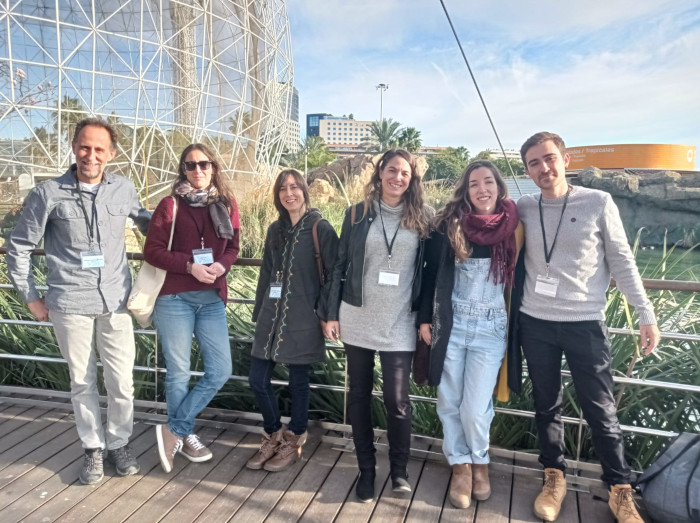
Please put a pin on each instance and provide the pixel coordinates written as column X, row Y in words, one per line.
column 123, row 460
column 287, row 453
column 194, row 450
column 481, row 486
column 268, row 447
column 548, row 503
column 365, row 485
column 92, row 471
column 399, row 481
column 623, row 505
column 460, row 494
column 168, row 445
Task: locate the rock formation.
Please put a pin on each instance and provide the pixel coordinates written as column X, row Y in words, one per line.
column 660, row 201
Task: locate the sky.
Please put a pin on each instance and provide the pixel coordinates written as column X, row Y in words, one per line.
column 622, row 71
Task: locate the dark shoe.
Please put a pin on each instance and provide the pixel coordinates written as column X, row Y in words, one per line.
column 194, row 450
column 92, row 470
column 268, row 447
column 168, row 445
column 288, row 452
column 365, row 485
column 481, row 486
column 399, row 481
column 124, row 462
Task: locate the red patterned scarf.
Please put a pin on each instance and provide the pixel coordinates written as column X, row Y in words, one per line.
column 496, row 231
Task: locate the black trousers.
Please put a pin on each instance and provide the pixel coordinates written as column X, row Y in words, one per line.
column 396, row 370
column 587, row 349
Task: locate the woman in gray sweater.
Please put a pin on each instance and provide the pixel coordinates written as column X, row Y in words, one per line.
column 371, row 307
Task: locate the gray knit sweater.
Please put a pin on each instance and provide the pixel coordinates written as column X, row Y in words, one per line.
column 385, row 321
column 591, row 247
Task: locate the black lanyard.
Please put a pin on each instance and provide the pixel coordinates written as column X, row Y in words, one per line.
column 548, row 255
column 89, row 224
column 389, row 246
column 200, row 231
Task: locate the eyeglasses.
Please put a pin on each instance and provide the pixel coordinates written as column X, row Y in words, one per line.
column 203, row 165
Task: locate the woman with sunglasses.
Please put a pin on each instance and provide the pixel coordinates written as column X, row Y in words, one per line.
column 193, row 297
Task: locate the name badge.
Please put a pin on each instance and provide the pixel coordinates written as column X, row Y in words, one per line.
column 546, row 286
column 387, row 277
column 275, row 291
column 203, row 256
column 92, row 260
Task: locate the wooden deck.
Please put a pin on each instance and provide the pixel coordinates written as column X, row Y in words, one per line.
column 40, row 457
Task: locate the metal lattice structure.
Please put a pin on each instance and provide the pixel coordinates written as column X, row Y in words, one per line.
column 165, row 72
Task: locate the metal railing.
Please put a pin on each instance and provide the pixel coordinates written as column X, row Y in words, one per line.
column 584, row 472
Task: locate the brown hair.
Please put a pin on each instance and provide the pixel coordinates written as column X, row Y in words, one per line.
column 459, row 205
column 301, row 183
column 221, row 184
column 414, row 217
column 539, row 138
column 96, row 122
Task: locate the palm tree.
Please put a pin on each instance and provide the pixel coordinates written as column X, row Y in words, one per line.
column 410, row 140
column 385, row 135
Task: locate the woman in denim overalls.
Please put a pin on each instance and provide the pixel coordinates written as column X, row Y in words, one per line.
column 470, row 264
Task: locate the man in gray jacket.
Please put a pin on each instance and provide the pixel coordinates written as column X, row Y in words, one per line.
column 575, row 242
column 81, row 216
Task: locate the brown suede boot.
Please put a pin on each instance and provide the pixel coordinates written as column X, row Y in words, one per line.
column 481, row 486
column 287, row 453
column 548, row 503
column 461, row 486
column 622, row 504
column 268, row 447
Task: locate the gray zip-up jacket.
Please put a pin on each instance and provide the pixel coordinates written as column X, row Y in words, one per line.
column 53, row 211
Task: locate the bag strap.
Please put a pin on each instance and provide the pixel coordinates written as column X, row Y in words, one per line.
column 172, row 225
column 317, row 252
column 677, row 448
column 353, row 212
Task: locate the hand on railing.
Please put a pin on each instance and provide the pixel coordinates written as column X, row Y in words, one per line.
column 650, row 337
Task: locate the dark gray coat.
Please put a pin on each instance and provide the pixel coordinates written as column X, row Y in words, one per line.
column 288, row 330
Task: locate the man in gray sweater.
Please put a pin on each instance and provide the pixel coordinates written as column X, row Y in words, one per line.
column 575, row 243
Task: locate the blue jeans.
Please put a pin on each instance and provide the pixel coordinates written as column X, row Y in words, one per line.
column 177, row 317
column 259, row 379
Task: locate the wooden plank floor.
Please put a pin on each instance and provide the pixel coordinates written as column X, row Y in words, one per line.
column 40, row 457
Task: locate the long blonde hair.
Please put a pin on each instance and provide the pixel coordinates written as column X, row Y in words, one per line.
column 450, row 216
column 415, row 216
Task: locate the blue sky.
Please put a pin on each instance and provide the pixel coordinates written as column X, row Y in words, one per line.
column 623, row 71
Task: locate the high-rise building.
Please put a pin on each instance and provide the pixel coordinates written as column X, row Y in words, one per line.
column 341, row 130
column 313, row 122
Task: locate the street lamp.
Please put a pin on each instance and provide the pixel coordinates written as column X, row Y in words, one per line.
column 382, row 88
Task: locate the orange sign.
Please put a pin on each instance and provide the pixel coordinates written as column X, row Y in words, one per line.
column 634, row 156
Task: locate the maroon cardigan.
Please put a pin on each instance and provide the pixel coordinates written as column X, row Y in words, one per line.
column 185, row 239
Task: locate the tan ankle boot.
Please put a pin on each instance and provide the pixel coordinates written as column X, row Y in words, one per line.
column 268, row 446
column 548, row 503
column 461, row 486
column 622, row 504
column 287, row 453
column 481, row 486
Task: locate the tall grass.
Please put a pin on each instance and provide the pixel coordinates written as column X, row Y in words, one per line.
column 675, row 361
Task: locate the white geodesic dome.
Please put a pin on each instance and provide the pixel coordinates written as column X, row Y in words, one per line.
column 165, row 72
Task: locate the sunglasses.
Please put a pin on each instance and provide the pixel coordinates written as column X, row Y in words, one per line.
column 203, row 165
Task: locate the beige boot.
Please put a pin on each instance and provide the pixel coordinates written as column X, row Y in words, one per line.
column 461, row 486
column 268, row 447
column 548, row 503
column 287, row 453
column 481, row 486
column 622, row 504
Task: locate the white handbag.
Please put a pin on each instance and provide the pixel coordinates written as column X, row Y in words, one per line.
column 147, row 286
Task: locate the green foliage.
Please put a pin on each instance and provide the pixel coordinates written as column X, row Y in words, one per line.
column 312, row 153
column 448, row 164
column 410, row 139
column 384, row 135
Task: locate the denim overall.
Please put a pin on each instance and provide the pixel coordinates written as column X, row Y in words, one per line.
column 474, row 354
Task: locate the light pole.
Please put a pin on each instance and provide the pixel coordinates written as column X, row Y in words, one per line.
column 382, row 88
